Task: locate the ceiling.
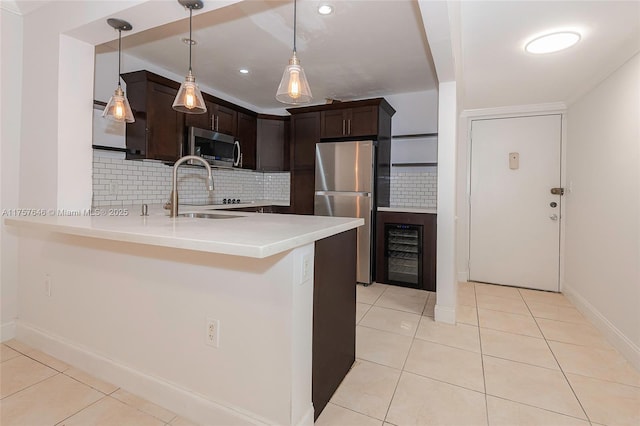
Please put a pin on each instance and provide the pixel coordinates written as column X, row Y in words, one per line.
column 377, row 48
column 498, row 72
column 363, row 49
column 23, row 7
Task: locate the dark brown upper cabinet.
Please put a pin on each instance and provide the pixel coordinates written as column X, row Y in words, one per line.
column 341, row 121
column 218, row 118
column 224, row 119
column 349, row 122
column 246, row 134
column 157, row 132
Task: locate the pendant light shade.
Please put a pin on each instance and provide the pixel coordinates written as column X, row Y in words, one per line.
column 294, row 88
column 189, row 98
column 118, row 108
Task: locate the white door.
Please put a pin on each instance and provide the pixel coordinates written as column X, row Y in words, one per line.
column 515, row 219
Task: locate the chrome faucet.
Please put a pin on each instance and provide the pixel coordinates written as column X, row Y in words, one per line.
column 173, row 202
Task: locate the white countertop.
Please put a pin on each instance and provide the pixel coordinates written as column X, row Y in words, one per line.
column 257, row 235
column 407, row 210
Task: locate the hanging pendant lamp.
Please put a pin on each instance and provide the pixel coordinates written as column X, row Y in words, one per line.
column 189, row 99
column 294, row 88
column 118, row 108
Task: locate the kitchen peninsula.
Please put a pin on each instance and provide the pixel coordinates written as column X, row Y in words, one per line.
column 224, row 321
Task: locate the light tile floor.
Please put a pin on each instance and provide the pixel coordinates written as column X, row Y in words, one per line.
column 39, row 390
column 516, row 357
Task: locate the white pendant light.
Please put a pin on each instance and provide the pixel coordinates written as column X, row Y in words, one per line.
column 118, row 108
column 189, row 98
column 294, row 88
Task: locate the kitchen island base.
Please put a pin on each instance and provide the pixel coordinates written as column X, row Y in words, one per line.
column 135, row 315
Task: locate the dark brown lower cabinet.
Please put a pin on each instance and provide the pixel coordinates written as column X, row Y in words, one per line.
column 334, row 315
column 386, row 247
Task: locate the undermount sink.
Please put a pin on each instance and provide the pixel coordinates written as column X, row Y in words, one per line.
column 208, row 215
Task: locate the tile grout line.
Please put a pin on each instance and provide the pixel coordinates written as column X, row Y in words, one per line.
column 402, row 370
column 338, row 405
column 31, row 385
column 484, row 377
column 559, row 366
column 539, row 408
column 82, row 409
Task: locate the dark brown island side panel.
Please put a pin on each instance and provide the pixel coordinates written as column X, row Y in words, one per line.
column 334, row 315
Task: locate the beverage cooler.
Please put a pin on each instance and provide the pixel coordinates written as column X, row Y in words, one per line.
column 403, row 254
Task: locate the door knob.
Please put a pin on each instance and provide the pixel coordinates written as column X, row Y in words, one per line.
column 553, row 217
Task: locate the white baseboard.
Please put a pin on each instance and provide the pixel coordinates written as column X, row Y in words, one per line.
column 463, row 276
column 7, row 331
column 181, row 401
column 307, row 420
column 622, row 343
column 445, row 314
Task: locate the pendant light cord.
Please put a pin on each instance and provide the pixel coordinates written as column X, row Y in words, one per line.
column 190, row 39
column 119, row 53
column 294, row 25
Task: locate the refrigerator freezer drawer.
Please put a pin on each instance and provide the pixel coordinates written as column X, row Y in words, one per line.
column 351, row 205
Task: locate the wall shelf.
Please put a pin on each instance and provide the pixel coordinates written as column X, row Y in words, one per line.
column 415, row 136
column 414, row 164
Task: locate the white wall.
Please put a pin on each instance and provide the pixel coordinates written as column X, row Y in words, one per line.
column 416, row 112
column 602, row 268
column 10, row 106
column 446, row 279
column 136, row 316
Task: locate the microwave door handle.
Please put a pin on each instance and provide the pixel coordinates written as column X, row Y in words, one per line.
column 237, row 155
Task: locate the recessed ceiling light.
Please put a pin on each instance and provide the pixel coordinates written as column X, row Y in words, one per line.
column 244, row 71
column 552, row 42
column 187, row 40
column 325, row 9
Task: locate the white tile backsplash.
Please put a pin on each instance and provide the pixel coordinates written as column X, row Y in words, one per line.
column 415, row 189
column 117, row 181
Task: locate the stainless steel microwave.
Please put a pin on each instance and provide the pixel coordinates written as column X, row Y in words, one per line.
column 217, row 148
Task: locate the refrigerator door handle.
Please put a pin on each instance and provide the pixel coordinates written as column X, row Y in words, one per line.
column 344, row 193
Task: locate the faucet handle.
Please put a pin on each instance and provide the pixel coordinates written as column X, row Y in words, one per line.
column 167, row 205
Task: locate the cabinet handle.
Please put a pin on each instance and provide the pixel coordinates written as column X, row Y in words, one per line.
column 343, row 124
column 349, row 128
column 217, row 123
column 213, row 123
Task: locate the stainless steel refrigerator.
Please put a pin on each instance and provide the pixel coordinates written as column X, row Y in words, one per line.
column 345, row 188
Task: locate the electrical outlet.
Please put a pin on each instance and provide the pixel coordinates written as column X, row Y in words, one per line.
column 212, row 337
column 47, row 285
column 306, row 267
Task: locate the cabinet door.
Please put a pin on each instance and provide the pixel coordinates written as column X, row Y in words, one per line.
column 225, row 119
column 305, row 133
column 203, row 121
column 363, row 121
column 246, row 134
column 271, row 142
column 164, row 124
column 333, row 124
